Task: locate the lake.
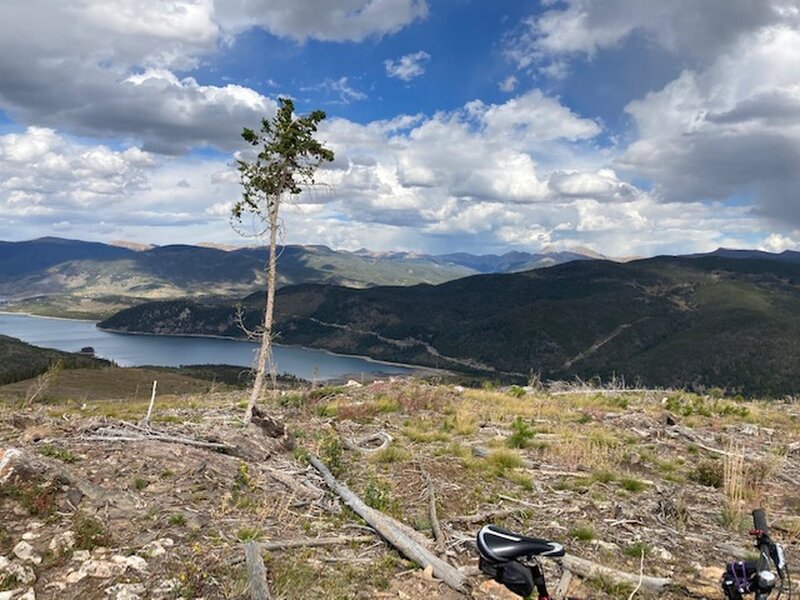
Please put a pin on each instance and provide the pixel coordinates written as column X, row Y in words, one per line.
column 173, row 351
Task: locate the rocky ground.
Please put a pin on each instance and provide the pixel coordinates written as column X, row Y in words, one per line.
column 611, row 475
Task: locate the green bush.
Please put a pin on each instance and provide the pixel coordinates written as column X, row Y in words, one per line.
column 631, row 484
column 583, row 533
column 521, row 435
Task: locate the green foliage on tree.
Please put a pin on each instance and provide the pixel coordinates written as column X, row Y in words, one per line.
column 285, row 165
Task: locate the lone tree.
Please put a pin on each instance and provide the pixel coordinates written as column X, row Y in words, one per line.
column 285, row 166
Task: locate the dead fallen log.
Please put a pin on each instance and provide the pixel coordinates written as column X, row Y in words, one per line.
column 588, row 569
column 256, row 573
column 301, row 489
column 436, row 528
column 128, row 432
column 393, row 531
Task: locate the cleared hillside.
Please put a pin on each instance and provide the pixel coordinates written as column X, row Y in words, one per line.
column 611, row 476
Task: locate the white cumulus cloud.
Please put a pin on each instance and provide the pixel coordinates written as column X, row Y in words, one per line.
column 407, row 67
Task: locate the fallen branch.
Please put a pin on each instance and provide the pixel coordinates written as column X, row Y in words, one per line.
column 133, row 433
column 641, row 576
column 256, row 573
column 359, row 446
column 436, row 528
column 562, row 589
column 588, row 569
column 300, row 488
column 393, row 531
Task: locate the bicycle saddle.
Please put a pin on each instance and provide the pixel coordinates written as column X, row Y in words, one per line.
column 501, row 545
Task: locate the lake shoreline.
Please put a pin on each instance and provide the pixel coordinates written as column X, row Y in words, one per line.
column 411, row 367
column 26, row 314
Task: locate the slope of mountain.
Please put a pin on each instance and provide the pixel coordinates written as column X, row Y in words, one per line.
column 72, row 278
column 706, row 321
column 511, row 262
column 21, row 259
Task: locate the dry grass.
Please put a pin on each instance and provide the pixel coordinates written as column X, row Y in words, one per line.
column 733, row 485
column 438, row 428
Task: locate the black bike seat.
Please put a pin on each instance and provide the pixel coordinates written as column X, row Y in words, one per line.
column 501, row 545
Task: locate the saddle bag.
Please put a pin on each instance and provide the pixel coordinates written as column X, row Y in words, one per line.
column 512, row 574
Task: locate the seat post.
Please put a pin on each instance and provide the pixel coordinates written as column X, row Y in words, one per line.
column 538, row 580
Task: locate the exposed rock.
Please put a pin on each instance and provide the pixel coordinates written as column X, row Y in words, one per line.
column 137, row 563
column 75, row 576
column 74, row 495
column 706, row 583
column 7, row 460
column 81, row 555
column 166, row 588
column 22, row 573
column 62, row 542
column 351, row 383
column 102, row 569
column 125, row 591
column 156, row 547
column 25, row 552
column 663, row 554
column 11, row 594
column 497, row 591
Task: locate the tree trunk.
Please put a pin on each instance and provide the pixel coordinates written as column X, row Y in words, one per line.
column 393, row 531
column 588, row 569
column 256, row 573
column 265, row 354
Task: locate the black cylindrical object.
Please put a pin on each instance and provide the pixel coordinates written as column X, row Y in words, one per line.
column 760, row 520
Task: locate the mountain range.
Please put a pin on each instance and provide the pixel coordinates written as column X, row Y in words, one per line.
column 75, row 278
column 727, row 319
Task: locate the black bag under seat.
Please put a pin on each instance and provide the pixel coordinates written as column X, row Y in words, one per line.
column 512, row 574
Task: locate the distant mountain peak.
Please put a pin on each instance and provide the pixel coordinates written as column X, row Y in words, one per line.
column 219, row 246
column 136, row 246
column 580, row 250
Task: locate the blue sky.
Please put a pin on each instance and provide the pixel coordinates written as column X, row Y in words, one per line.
column 662, row 126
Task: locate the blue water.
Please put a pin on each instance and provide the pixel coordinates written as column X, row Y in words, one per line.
column 169, row 351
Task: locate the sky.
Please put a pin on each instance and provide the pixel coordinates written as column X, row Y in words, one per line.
column 633, row 128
